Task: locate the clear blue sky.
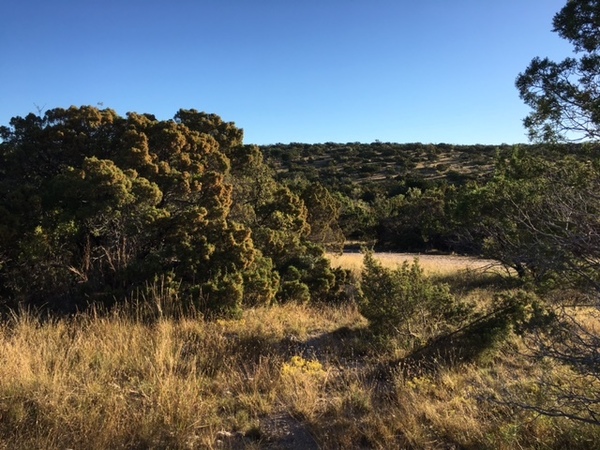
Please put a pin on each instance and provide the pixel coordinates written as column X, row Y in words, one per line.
column 285, row 70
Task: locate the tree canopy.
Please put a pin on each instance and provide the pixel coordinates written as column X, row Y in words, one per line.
column 565, row 95
column 95, row 207
column 553, row 209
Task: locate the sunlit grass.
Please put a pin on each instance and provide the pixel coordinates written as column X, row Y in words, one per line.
column 102, row 381
column 432, row 264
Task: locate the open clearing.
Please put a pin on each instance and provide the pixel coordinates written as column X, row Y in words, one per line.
column 432, row 264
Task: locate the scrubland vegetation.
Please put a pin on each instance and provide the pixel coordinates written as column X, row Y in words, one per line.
column 163, row 285
column 284, row 376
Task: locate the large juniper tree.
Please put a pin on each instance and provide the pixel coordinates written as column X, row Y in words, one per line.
column 94, row 206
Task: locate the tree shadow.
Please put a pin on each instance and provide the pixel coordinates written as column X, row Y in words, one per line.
column 469, row 280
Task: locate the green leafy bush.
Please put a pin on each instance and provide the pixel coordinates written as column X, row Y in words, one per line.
column 403, row 303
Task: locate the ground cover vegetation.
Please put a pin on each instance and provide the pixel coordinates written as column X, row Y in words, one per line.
column 291, row 375
column 163, row 285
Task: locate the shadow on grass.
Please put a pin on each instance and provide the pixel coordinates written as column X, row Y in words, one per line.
column 466, row 345
column 466, row 281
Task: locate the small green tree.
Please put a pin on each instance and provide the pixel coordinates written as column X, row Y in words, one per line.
column 288, row 227
column 403, row 303
column 323, row 216
column 416, row 221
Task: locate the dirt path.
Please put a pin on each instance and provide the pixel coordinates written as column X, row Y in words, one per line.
column 284, row 432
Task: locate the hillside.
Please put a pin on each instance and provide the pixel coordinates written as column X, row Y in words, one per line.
column 410, row 197
column 337, row 164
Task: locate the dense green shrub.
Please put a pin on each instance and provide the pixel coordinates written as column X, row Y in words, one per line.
column 94, row 206
column 403, row 303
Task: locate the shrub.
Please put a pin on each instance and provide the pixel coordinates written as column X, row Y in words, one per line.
column 294, row 290
column 404, row 303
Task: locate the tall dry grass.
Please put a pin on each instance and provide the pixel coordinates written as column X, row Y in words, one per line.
column 99, row 382
column 289, row 376
column 107, row 383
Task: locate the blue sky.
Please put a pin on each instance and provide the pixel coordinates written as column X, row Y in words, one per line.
column 285, row 71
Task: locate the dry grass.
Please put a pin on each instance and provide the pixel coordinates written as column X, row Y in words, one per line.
column 432, row 264
column 289, row 376
column 109, row 382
